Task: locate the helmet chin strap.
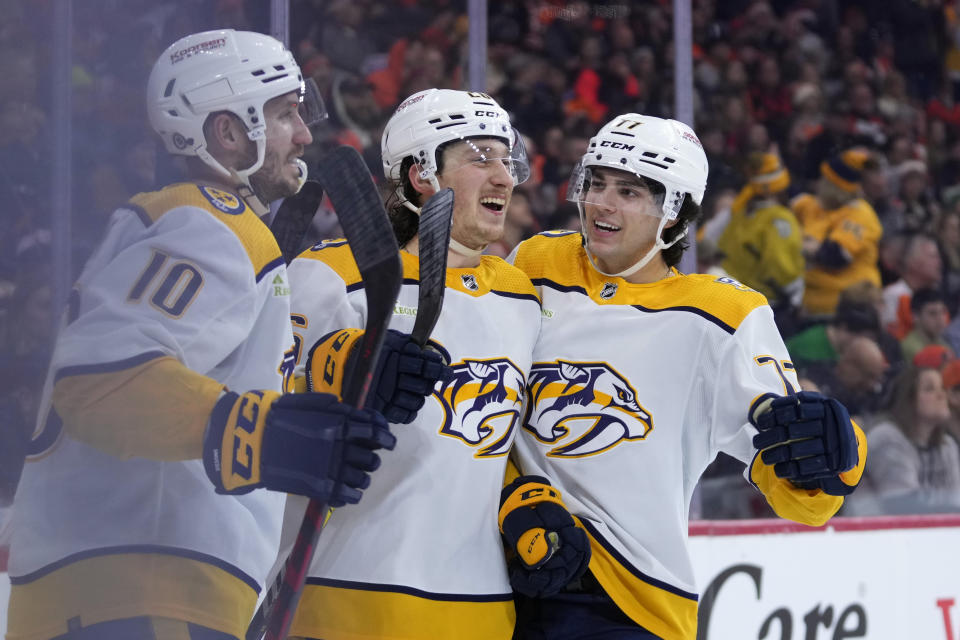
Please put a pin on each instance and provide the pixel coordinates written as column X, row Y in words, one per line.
column 464, row 250
column 242, row 179
column 456, row 247
column 657, row 247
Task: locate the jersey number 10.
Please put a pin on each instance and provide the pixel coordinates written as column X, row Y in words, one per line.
column 175, row 290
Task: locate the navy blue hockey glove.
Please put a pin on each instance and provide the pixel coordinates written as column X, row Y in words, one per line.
column 809, row 440
column 308, row 444
column 403, row 378
column 551, row 550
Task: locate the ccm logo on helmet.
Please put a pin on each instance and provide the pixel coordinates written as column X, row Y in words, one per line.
column 617, row 145
column 486, row 114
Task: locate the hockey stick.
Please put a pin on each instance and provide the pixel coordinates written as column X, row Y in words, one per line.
column 434, row 242
column 370, row 235
column 293, row 219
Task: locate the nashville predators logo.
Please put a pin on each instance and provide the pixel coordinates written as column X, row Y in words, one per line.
column 223, row 200
column 583, row 408
column 481, row 404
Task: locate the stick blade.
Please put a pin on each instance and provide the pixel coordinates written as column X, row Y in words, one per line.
column 293, row 219
column 356, row 200
column 433, row 234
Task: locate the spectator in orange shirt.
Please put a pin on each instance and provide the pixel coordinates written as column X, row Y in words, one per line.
column 921, row 268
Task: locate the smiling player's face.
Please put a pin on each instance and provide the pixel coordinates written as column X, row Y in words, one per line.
column 479, row 172
column 621, row 217
column 286, row 136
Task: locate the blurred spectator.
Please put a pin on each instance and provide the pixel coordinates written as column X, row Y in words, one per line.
column 722, row 174
column 855, row 378
column 806, row 124
column 920, row 268
column 890, row 259
column 865, row 125
column 820, row 344
column 948, row 239
column 867, row 293
column 710, row 259
column 762, row 241
column 914, row 462
column 519, row 224
column 716, row 208
column 770, row 99
column 933, row 356
column 915, row 43
column 951, row 383
column 823, row 145
column 952, row 333
column 343, row 40
column 919, row 210
column 929, row 321
column 841, row 233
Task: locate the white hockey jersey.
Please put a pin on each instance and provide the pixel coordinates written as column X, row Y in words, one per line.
column 189, row 276
column 633, row 391
column 420, row 556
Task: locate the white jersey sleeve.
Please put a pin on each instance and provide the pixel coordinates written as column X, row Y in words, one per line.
column 165, row 289
column 323, row 278
column 754, row 366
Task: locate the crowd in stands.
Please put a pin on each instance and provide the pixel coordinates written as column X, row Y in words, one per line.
column 832, row 128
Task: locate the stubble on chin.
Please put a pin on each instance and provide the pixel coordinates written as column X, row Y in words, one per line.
column 273, row 185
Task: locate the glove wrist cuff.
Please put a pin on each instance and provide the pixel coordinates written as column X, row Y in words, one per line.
column 233, row 440
column 329, row 359
column 528, row 494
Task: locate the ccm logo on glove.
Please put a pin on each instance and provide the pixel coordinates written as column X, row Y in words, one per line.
column 403, row 378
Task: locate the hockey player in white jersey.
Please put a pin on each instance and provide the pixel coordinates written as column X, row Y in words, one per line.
column 421, row 558
column 152, row 504
column 642, row 375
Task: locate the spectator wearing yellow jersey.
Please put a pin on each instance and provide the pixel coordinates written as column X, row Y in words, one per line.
column 762, row 241
column 841, row 232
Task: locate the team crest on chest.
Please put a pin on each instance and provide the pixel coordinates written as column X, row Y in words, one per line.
column 470, row 281
column 481, row 404
column 582, row 408
column 609, row 290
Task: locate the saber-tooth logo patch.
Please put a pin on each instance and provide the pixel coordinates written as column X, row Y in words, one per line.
column 582, row 408
column 481, row 404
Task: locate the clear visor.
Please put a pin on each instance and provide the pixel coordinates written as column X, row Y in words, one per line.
column 312, row 110
column 490, row 154
column 616, row 189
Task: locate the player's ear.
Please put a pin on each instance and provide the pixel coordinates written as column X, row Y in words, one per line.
column 418, row 181
column 225, row 131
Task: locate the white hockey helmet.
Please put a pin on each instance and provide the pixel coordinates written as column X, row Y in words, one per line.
column 428, row 119
column 666, row 151
column 222, row 70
